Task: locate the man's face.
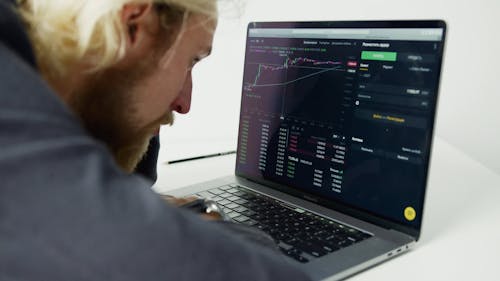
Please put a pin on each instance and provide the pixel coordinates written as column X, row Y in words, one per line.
column 126, row 105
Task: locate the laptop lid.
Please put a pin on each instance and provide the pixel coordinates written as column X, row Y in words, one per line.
column 342, row 114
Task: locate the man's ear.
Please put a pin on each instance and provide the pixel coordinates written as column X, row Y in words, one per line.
column 137, row 20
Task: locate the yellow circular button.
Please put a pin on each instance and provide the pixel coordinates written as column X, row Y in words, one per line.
column 410, row 213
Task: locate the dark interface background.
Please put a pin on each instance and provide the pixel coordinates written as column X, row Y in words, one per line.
column 348, row 120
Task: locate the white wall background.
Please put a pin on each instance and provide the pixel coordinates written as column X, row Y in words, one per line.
column 469, row 102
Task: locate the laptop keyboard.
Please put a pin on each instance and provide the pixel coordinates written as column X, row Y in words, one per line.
column 299, row 234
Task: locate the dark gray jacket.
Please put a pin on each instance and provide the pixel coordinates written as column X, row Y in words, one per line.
column 68, row 213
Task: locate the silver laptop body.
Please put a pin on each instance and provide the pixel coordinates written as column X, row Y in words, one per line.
column 337, row 120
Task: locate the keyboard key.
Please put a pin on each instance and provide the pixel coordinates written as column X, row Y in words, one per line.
column 217, row 198
column 330, row 248
column 311, row 249
column 292, row 241
column 246, row 196
column 216, row 191
column 344, row 243
column 232, row 205
column 261, row 227
column 282, row 236
column 230, row 213
column 226, row 187
column 352, row 239
column 248, row 213
column 224, row 202
column 204, row 194
column 317, row 253
column 352, row 231
column 240, row 209
column 257, row 217
column 332, row 237
column 321, row 234
column 293, row 253
column 241, row 219
column 233, row 215
column 239, row 193
column 241, row 201
column 250, row 222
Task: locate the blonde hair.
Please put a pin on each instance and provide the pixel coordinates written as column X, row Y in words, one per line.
column 64, row 32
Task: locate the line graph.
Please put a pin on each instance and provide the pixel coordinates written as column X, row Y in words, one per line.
column 297, row 63
column 291, row 85
column 295, row 80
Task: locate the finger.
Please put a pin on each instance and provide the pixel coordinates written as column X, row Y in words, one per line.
column 168, row 198
column 173, row 200
column 177, row 201
column 212, row 216
column 185, row 200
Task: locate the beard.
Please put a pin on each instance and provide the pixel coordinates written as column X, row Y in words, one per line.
column 106, row 105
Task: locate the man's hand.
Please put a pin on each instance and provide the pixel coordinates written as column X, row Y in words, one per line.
column 179, row 202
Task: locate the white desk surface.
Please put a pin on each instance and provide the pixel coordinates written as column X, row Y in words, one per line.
column 461, row 229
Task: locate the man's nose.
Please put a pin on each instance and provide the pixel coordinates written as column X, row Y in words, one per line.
column 182, row 103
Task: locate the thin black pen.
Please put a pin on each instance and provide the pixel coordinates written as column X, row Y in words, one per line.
column 202, row 157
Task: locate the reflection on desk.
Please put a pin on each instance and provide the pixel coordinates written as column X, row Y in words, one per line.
column 461, row 224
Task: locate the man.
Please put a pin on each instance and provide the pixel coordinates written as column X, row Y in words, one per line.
column 94, row 77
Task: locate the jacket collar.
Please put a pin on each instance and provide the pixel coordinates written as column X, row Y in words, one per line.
column 13, row 34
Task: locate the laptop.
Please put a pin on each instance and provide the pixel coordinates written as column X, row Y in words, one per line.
column 334, row 140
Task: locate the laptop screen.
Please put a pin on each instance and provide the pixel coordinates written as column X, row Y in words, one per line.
column 343, row 112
